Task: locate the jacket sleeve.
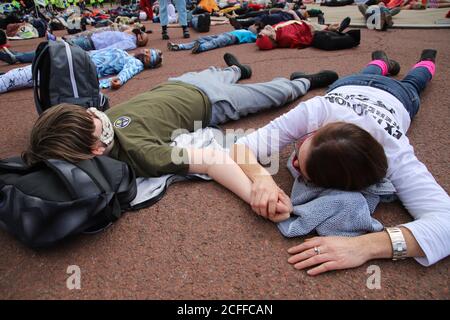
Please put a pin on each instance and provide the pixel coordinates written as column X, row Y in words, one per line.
column 131, row 68
column 428, row 204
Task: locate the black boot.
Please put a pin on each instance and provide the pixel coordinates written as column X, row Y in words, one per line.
column 231, row 60
column 428, row 55
column 165, row 35
column 393, row 66
column 344, row 24
column 318, row 80
column 186, row 32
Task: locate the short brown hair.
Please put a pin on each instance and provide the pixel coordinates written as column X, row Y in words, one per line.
column 62, row 132
column 345, row 156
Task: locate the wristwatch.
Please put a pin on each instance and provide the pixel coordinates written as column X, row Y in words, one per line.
column 398, row 243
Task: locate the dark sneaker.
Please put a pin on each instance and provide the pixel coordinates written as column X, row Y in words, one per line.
column 196, row 47
column 165, row 35
column 344, row 24
column 393, row 66
column 186, row 32
column 428, row 55
column 231, row 60
column 172, row 46
column 7, row 56
column 318, row 80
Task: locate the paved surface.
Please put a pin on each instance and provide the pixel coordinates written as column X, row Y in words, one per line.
column 202, row 242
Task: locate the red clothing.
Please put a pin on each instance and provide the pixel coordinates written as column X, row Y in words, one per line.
column 293, row 34
column 146, row 6
column 255, row 6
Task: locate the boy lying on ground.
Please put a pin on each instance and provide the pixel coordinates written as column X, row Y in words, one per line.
column 108, row 62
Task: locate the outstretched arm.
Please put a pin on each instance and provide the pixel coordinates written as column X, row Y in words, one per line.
column 344, row 252
column 220, row 167
column 265, row 193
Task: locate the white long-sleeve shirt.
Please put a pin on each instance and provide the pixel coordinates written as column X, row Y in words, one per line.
column 386, row 119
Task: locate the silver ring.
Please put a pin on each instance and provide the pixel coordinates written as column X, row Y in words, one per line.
column 317, row 250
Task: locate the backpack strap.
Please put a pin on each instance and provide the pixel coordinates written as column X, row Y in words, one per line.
column 78, row 183
column 73, row 81
column 35, row 72
column 81, row 184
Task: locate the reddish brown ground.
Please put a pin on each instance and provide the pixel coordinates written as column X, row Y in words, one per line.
column 202, row 242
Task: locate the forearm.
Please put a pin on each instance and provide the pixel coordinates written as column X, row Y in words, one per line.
column 379, row 245
column 247, row 161
column 130, row 69
column 220, row 167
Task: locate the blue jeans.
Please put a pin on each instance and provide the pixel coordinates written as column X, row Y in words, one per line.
column 407, row 90
column 22, row 57
column 84, row 42
column 181, row 9
column 211, row 42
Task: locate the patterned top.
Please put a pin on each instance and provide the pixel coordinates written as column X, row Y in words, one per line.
column 115, row 62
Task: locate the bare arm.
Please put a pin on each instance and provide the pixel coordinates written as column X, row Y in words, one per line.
column 265, row 193
column 343, row 252
column 220, row 167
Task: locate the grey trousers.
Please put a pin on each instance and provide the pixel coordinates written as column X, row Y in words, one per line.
column 231, row 101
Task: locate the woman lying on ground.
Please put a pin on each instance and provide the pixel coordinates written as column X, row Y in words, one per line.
column 349, row 139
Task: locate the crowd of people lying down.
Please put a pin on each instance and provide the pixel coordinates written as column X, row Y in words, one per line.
column 350, row 148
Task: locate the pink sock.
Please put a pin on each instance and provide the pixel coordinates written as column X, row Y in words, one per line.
column 427, row 64
column 383, row 66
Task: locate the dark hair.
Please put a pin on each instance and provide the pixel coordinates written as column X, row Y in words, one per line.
column 344, row 156
column 62, row 132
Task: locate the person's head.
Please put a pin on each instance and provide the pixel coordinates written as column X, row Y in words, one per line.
column 141, row 37
column 342, row 156
column 269, row 31
column 151, row 58
column 66, row 132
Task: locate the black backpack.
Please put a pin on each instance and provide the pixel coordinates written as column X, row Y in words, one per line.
column 63, row 73
column 331, row 40
column 201, row 22
column 55, row 199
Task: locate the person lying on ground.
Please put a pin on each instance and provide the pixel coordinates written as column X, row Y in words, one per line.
column 129, row 39
column 108, row 62
column 293, row 34
column 212, row 42
column 271, row 17
column 12, row 56
column 140, row 130
column 349, row 139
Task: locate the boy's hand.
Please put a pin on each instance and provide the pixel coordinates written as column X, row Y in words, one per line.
column 115, row 83
column 264, row 197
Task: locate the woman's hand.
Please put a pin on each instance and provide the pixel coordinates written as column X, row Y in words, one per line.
column 283, row 208
column 115, row 83
column 335, row 253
